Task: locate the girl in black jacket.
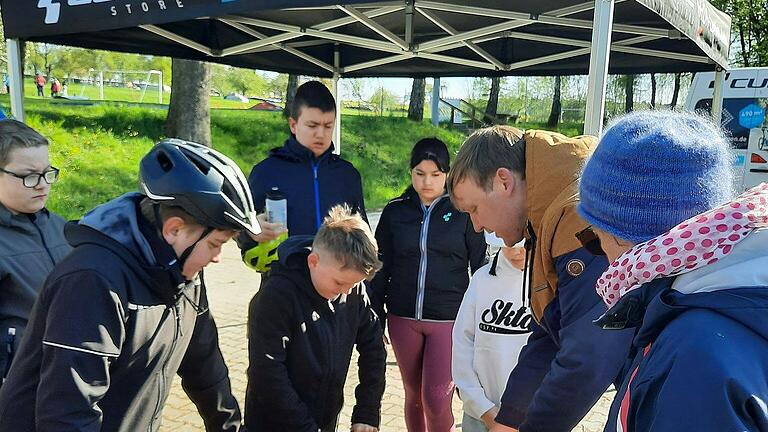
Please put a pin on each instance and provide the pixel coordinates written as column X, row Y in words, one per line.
column 427, row 248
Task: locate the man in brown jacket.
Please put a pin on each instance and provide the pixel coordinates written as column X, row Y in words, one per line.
column 526, row 186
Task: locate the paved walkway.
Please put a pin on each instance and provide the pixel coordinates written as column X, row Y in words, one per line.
column 231, row 286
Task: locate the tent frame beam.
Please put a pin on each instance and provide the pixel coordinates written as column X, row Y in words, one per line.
column 376, row 27
column 283, row 37
column 285, row 48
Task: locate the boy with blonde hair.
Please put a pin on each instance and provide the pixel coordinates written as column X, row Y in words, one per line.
column 302, row 327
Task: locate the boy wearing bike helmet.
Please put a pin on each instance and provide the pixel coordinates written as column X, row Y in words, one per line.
column 306, row 172
column 126, row 310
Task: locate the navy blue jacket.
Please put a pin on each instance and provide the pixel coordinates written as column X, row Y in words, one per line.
column 568, row 362
column 700, row 358
column 300, row 346
column 312, row 186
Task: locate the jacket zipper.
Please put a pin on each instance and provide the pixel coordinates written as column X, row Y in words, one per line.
column 331, row 344
column 423, row 259
column 45, row 245
column 318, row 219
column 159, row 404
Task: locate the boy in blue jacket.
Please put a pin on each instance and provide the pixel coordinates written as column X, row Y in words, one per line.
column 306, row 172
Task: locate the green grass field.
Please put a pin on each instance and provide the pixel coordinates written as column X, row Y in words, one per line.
column 123, row 94
column 98, row 146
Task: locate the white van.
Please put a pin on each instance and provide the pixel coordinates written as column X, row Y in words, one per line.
column 745, row 102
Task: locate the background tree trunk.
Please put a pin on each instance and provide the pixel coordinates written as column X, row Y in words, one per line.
column 493, row 99
column 290, row 93
column 629, row 103
column 554, row 113
column 416, row 105
column 189, row 114
column 675, row 91
column 653, row 91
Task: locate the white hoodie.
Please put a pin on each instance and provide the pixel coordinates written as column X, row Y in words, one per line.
column 488, row 334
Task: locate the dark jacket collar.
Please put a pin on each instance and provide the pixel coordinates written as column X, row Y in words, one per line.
column 651, row 308
column 293, row 266
column 412, row 196
column 22, row 221
column 165, row 281
column 293, row 150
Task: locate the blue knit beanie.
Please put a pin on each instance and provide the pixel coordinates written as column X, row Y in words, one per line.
column 653, row 170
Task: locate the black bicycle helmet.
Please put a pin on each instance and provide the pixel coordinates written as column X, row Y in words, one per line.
column 201, row 181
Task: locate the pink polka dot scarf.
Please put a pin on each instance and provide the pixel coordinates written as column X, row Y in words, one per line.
column 696, row 242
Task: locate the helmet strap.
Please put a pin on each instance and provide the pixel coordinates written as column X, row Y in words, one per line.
column 188, row 251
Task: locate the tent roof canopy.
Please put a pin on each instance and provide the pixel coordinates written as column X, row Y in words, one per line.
column 388, row 38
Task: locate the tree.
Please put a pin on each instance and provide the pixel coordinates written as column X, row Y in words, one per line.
column 479, row 90
column 675, row 91
column 493, row 98
column 245, row 82
column 277, row 85
column 554, row 113
column 653, row 90
column 383, row 98
column 629, row 93
column 749, row 30
column 354, row 87
column 189, row 114
column 44, row 57
column 290, row 92
column 219, row 81
column 416, row 104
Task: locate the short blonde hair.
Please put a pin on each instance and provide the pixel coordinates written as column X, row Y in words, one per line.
column 347, row 236
column 484, row 152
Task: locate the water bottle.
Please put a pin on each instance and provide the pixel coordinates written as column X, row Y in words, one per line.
column 277, row 207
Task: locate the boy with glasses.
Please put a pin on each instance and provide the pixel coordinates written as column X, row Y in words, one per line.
column 31, row 238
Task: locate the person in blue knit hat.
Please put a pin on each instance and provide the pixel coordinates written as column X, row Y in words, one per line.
column 689, row 271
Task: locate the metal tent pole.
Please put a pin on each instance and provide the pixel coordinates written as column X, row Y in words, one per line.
column 16, row 78
column 598, row 66
column 337, row 97
column 717, row 98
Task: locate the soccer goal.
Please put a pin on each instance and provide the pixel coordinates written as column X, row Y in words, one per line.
column 120, row 85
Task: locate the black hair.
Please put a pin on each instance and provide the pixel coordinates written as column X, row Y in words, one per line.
column 431, row 149
column 312, row 94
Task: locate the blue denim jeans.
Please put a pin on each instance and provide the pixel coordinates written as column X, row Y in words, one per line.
column 471, row 424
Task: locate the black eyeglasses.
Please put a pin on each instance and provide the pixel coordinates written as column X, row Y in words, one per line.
column 590, row 241
column 33, row 179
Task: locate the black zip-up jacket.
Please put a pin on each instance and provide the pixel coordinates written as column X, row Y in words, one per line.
column 109, row 331
column 30, row 245
column 426, row 252
column 300, row 346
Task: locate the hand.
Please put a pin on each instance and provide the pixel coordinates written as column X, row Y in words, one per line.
column 361, row 427
column 489, row 417
column 269, row 231
column 498, row 427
